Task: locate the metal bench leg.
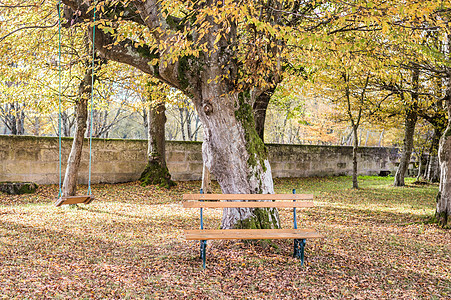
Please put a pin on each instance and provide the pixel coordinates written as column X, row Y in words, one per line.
column 203, row 246
column 298, row 252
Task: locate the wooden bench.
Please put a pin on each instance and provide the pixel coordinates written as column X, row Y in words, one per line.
column 250, row 201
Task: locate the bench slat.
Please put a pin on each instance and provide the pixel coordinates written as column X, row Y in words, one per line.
column 251, row 234
column 207, row 197
column 197, row 204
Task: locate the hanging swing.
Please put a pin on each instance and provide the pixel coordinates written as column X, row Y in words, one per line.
column 86, row 199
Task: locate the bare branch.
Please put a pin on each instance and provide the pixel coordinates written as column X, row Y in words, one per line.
column 27, row 27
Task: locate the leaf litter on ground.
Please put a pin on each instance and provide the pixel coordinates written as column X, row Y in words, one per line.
column 128, row 244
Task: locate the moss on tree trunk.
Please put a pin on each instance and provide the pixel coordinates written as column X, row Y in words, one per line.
column 261, row 218
column 156, row 174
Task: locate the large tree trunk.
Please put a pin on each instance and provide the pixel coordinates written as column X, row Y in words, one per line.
column 409, row 130
column 81, row 115
column 443, row 208
column 156, row 171
column 236, row 156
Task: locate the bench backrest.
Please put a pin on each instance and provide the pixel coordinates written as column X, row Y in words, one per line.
column 247, row 200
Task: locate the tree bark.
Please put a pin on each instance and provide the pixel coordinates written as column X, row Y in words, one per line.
column 425, row 173
column 182, row 122
column 260, row 106
column 196, row 132
column 66, row 124
column 433, row 168
column 420, row 165
column 443, row 207
column 156, row 171
column 355, row 121
column 355, row 148
column 21, row 122
column 409, row 130
column 81, row 116
column 188, row 124
column 433, row 171
column 206, row 180
column 235, row 154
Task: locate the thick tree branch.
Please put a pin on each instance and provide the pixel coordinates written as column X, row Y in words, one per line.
column 141, row 57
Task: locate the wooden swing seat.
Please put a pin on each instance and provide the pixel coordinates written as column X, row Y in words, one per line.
column 86, row 199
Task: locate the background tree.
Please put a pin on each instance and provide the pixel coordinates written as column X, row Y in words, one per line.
column 411, row 117
column 156, row 171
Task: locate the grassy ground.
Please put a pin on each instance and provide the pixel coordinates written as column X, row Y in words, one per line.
column 128, row 244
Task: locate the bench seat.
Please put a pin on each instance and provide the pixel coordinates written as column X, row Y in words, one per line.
column 250, row 234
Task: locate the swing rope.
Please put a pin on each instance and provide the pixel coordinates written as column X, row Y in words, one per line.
column 60, row 193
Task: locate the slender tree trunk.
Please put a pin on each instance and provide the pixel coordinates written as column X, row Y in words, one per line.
column 182, row 123
column 420, row 165
column 69, row 187
column 380, row 138
column 37, row 126
column 259, row 108
column 355, row 184
column 425, row 172
column 81, row 115
column 433, row 168
column 146, row 123
column 20, row 121
column 355, row 122
column 409, row 130
column 13, row 122
column 196, row 133
column 156, row 171
column 66, row 124
column 188, row 124
column 433, row 171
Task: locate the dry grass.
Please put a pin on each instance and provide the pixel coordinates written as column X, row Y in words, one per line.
column 128, row 244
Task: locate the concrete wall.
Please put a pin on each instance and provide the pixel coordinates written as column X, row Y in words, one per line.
column 25, row 158
column 307, row 160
